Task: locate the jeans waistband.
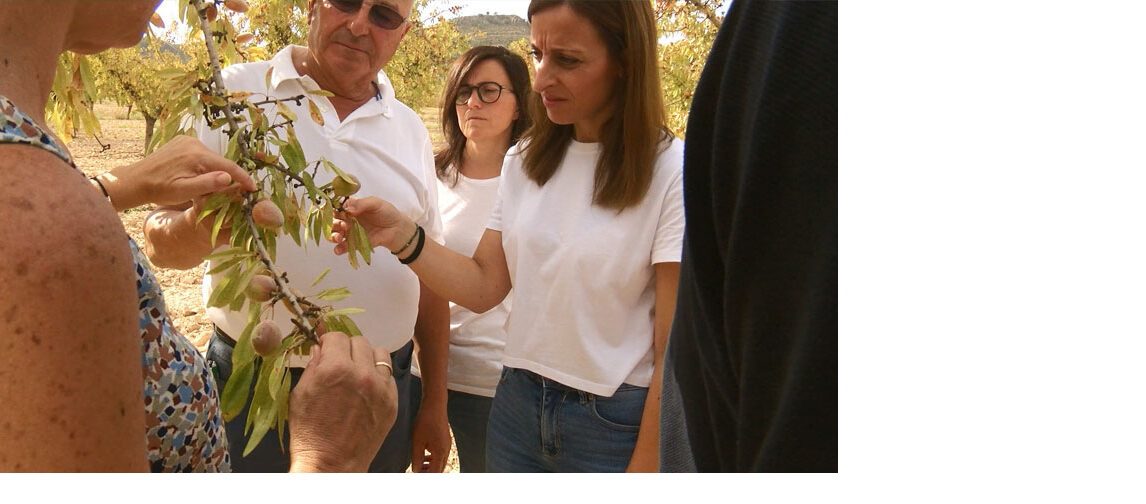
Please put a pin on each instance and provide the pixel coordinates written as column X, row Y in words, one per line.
column 548, row 382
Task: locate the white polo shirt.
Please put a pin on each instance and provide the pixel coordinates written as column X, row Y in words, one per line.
column 385, row 144
column 583, row 275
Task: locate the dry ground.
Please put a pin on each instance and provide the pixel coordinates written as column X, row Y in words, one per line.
column 181, row 289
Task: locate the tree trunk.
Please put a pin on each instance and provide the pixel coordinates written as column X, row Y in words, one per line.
column 128, row 117
column 150, row 122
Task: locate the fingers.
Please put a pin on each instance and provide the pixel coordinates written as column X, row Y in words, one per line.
column 207, row 183
column 223, row 169
column 381, row 355
column 335, row 344
column 418, row 457
column 362, row 354
column 356, row 207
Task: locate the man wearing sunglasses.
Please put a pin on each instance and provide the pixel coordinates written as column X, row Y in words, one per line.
column 366, row 132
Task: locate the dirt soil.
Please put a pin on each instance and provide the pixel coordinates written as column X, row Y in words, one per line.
column 182, row 290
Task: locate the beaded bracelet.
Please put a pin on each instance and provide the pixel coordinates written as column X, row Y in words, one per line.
column 408, row 242
column 417, row 248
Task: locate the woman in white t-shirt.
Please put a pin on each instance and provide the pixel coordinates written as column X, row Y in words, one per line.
column 587, row 231
column 483, row 114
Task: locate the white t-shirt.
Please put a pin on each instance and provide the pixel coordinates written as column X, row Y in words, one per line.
column 383, row 143
column 583, row 276
column 476, row 339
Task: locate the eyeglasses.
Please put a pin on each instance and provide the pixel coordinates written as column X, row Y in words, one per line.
column 488, row 92
column 381, row 15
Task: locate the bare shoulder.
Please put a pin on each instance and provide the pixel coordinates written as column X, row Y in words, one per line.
column 69, row 347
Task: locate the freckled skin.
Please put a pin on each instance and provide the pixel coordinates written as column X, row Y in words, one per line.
column 65, row 304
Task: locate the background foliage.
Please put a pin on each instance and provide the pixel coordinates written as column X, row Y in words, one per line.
column 437, row 37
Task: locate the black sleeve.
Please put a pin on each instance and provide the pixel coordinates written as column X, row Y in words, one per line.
column 754, row 345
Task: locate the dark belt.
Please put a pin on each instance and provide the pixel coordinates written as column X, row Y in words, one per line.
column 400, row 358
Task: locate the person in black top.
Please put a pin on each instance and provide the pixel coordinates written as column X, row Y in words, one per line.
column 751, row 373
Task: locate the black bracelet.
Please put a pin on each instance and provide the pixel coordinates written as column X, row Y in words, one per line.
column 417, row 248
column 101, row 188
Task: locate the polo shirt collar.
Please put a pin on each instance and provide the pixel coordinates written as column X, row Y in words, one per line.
column 283, row 69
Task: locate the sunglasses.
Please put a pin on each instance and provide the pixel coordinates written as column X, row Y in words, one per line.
column 381, row 15
column 488, row 92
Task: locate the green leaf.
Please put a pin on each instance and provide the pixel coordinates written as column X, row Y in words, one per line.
column 262, row 410
column 217, row 226
column 334, row 323
column 214, row 202
column 362, row 241
column 351, row 328
column 278, row 369
column 335, row 294
column 286, row 112
column 226, row 265
column 216, row 300
column 244, row 348
column 320, row 277
column 237, row 391
column 292, row 152
column 345, row 311
column 320, row 92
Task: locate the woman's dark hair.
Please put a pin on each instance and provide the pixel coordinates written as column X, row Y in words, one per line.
column 632, row 138
column 448, row 159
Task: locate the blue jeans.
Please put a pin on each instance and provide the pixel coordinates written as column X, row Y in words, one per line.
column 393, row 456
column 469, row 416
column 539, row 425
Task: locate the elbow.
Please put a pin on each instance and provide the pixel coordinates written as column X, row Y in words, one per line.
column 487, row 302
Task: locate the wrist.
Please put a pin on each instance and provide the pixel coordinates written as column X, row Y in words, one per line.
column 119, row 190
column 407, row 233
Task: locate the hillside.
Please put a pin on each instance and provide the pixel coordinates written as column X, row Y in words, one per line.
column 492, row 29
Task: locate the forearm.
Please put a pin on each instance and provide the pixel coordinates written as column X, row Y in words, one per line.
column 471, row 282
column 432, row 336
column 646, row 455
column 175, row 240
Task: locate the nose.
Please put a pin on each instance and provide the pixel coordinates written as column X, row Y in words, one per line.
column 360, row 23
column 544, row 77
column 474, row 101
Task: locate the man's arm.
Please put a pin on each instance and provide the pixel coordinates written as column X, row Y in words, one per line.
column 431, row 427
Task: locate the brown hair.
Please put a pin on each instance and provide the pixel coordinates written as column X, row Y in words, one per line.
column 632, row 138
column 450, row 155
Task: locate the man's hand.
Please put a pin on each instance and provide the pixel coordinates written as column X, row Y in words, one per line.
column 432, row 434
column 182, row 170
column 343, row 407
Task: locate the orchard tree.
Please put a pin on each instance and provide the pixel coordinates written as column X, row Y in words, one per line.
column 418, row 69
column 132, row 76
column 276, row 24
column 71, row 100
column 687, row 29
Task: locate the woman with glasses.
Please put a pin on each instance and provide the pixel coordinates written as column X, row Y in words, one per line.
column 483, row 114
column 587, row 231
